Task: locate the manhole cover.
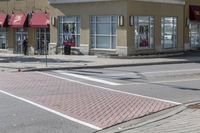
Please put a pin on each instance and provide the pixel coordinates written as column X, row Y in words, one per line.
column 194, row 106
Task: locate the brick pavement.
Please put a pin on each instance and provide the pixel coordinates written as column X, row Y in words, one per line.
column 93, row 105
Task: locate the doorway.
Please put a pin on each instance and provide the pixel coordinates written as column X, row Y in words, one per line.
column 3, row 38
column 42, row 39
column 20, row 35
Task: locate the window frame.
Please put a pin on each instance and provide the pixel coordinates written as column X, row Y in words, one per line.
column 77, row 22
column 113, row 32
column 151, row 33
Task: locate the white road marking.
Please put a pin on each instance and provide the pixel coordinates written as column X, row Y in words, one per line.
column 52, row 111
column 170, row 71
column 166, row 81
column 88, row 78
column 108, row 89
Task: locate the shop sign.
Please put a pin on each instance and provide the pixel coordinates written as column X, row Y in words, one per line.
column 194, row 13
column 18, row 19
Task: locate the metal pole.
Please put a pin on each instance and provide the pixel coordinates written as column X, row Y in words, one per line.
column 46, row 48
column 46, row 56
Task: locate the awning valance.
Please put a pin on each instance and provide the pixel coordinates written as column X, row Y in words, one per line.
column 3, row 17
column 40, row 20
column 18, row 20
column 194, row 13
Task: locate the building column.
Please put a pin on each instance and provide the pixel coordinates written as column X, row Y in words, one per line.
column 85, row 35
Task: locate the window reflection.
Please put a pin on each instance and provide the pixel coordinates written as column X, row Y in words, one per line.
column 144, row 31
column 69, row 30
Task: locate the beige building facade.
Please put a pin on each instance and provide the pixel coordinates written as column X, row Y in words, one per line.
column 20, row 23
column 115, row 27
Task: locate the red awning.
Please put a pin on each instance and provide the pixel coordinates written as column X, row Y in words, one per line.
column 18, row 20
column 40, row 20
column 2, row 19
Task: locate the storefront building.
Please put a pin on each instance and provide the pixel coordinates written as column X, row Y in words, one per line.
column 121, row 27
column 21, row 19
column 115, row 27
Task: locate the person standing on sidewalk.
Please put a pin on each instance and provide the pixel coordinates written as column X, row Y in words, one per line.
column 25, row 46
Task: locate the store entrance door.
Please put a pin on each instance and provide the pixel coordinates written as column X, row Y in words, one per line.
column 195, row 35
column 3, row 38
column 43, row 39
column 20, row 35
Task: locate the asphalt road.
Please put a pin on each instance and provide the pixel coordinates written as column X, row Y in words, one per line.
column 175, row 83
column 17, row 116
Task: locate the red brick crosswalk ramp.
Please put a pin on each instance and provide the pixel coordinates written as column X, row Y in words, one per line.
column 96, row 106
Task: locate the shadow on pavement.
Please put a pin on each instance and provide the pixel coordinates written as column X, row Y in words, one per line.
column 6, row 59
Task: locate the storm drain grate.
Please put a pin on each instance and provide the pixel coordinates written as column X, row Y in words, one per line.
column 194, row 106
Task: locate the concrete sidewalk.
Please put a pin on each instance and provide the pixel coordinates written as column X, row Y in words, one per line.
column 54, row 62
column 180, row 119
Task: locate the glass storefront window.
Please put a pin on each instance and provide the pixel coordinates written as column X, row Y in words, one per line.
column 3, row 38
column 103, row 32
column 144, row 31
column 169, row 32
column 194, row 35
column 69, row 31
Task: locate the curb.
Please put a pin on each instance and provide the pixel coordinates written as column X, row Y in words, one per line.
column 140, row 122
column 143, row 121
column 107, row 66
column 148, row 56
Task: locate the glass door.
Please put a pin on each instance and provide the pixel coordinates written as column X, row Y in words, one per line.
column 20, row 35
column 194, row 35
column 43, row 39
column 3, row 38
